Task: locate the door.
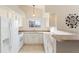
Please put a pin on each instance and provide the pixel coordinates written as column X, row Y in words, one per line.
column 14, row 34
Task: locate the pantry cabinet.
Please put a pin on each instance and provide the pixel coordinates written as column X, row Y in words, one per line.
column 5, row 31
column 10, row 40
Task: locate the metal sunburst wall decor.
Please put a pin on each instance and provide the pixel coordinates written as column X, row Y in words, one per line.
column 72, row 20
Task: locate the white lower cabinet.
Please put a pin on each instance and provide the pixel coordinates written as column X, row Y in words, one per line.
column 21, row 41
column 49, row 47
column 33, row 38
column 49, row 43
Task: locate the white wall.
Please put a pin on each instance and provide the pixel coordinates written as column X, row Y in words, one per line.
column 39, row 13
column 52, row 20
column 61, row 12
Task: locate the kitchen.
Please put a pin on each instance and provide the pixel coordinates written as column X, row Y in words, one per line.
column 36, row 25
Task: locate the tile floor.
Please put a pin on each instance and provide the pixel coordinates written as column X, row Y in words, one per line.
column 32, row 49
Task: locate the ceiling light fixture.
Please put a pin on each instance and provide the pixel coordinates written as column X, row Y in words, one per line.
column 33, row 10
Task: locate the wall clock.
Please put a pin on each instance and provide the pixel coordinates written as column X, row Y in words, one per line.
column 72, row 20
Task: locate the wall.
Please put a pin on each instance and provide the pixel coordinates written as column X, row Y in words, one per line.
column 51, row 20
column 39, row 13
column 61, row 12
column 28, row 10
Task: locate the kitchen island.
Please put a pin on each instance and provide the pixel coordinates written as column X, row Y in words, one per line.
column 47, row 37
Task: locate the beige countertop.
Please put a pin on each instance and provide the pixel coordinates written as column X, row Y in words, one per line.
column 24, row 29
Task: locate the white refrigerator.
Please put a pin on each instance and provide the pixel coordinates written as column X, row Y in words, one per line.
column 9, row 38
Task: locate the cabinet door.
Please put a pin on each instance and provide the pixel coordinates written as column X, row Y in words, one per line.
column 33, row 38
column 14, row 34
column 21, row 42
column 49, row 43
column 5, row 34
column 49, row 47
column 45, row 41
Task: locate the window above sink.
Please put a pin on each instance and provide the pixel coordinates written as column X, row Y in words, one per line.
column 35, row 23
